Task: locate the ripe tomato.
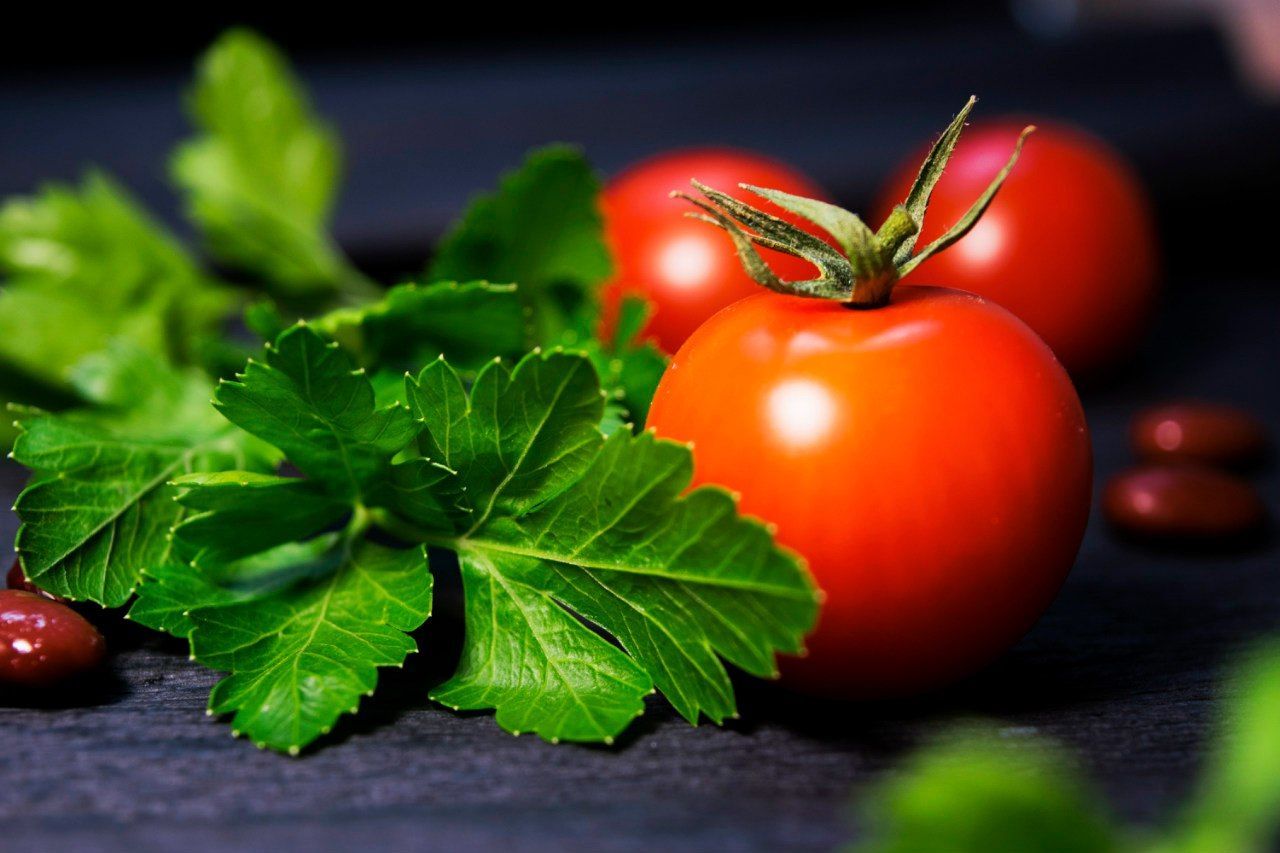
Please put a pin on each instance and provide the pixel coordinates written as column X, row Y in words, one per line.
column 928, row 458
column 686, row 270
column 1068, row 245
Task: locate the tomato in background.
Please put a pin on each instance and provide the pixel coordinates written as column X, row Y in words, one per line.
column 1068, row 244
column 929, row 459
column 686, row 270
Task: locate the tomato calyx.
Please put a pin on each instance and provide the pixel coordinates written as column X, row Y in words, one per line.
column 861, row 273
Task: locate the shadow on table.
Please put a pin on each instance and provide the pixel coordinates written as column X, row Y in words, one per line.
column 1131, row 622
column 102, row 686
column 1116, row 633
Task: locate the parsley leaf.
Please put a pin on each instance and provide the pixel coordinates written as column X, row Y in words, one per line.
column 301, row 629
column 553, row 519
column 468, row 323
column 83, row 266
column 170, row 590
column 264, row 510
column 100, row 509
column 542, row 230
column 532, row 661
column 1237, row 803
column 977, row 790
column 300, row 615
column 261, row 177
column 312, row 403
column 974, row 792
column 628, row 366
column 300, row 658
column 557, row 529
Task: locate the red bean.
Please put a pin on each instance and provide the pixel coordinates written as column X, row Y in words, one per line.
column 1211, row 433
column 43, row 642
column 1182, row 502
column 17, row 579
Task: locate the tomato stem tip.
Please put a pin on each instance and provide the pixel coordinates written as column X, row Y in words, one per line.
column 856, row 266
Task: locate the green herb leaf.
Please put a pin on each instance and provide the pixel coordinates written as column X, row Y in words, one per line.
column 261, row 177
column 534, row 662
column 82, row 267
column 100, row 509
column 556, row 529
column 469, row 324
column 629, row 368
column 300, row 616
column 556, row 520
column 976, row 792
column 542, row 231
column 518, row 438
column 263, row 511
column 168, row 592
column 1238, row 801
column 310, row 401
column 300, row 656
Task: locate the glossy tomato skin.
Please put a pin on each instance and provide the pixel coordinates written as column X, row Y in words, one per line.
column 684, row 268
column 1068, row 244
column 929, row 459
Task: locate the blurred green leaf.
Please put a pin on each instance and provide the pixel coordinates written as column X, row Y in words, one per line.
column 540, row 230
column 470, row 324
column 976, row 792
column 629, row 368
column 85, row 265
column 1237, row 805
column 261, row 176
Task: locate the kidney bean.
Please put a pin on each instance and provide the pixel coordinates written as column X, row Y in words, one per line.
column 1182, row 502
column 1211, row 433
column 43, row 642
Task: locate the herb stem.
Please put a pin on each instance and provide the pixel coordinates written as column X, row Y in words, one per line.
column 361, row 518
column 393, row 524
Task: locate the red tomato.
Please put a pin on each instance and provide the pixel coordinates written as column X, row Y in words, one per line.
column 1068, row 245
column 685, row 269
column 929, row 459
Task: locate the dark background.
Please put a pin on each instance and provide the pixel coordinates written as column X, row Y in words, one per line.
column 432, row 110
column 1123, row 669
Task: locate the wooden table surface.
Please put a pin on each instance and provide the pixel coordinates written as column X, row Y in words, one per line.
column 1123, row 668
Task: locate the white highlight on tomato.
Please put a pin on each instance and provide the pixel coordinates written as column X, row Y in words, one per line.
column 901, row 335
column 984, row 242
column 802, row 411
column 687, row 262
column 808, row 343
